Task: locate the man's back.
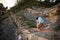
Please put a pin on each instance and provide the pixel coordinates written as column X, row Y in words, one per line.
column 40, row 20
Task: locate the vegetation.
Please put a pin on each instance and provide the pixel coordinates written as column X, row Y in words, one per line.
column 30, row 24
column 3, row 12
column 29, row 3
column 50, row 3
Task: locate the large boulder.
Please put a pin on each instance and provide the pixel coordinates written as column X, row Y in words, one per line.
column 7, row 29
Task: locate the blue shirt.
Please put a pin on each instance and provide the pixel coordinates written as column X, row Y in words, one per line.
column 40, row 20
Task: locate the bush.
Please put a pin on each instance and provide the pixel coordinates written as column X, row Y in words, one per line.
column 30, row 24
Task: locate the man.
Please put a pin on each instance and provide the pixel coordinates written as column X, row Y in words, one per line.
column 39, row 23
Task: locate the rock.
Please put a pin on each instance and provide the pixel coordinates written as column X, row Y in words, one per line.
column 22, row 37
column 8, row 30
column 34, row 35
column 19, row 37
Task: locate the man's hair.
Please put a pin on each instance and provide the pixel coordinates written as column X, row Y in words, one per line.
column 36, row 18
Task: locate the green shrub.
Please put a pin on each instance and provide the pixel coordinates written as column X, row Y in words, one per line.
column 30, row 24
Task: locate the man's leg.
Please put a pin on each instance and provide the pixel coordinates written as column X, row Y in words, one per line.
column 42, row 26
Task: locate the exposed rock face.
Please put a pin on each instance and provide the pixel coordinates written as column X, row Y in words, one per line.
column 7, row 29
column 31, row 14
column 51, row 22
column 28, row 34
column 48, row 14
